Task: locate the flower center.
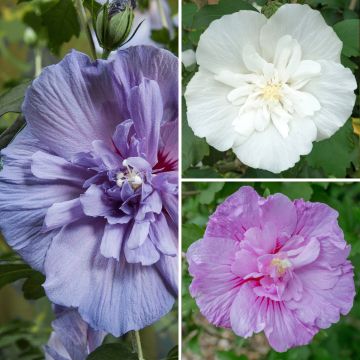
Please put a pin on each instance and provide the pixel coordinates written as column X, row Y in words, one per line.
column 130, row 175
column 272, row 92
column 281, row 265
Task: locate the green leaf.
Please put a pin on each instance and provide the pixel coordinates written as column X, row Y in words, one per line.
column 229, row 355
column 203, row 173
column 161, row 36
column 194, row 148
column 207, row 196
column 190, row 234
column 348, row 32
column 113, row 351
column 60, row 19
column 297, row 190
column 173, row 353
column 209, row 13
column 188, row 12
column 334, row 155
column 32, row 288
column 13, row 272
column 93, row 6
column 11, row 100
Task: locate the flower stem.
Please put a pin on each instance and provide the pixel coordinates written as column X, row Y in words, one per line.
column 38, row 61
column 352, row 5
column 85, row 26
column 138, row 345
column 162, row 15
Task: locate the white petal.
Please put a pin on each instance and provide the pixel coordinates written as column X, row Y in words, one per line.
column 244, row 124
column 306, row 71
column 334, row 89
column 307, row 26
column 268, row 150
column 209, row 112
column 262, row 119
column 287, row 56
column 221, row 45
column 235, row 80
column 305, row 104
column 252, row 60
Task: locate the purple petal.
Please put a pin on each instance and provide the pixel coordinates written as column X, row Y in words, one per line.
column 146, row 254
column 112, row 240
column 63, row 213
column 280, row 211
column 132, row 65
column 146, row 111
column 51, row 167
column 235, row 215
column 214, row 286
column 73, row 103
column 24, row 200
column 138, row 234
column 113, row 296
column 95, row 203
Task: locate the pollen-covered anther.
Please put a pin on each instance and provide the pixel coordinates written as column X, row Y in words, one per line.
column 272, row 92
column 281, row 265
column 131, row 176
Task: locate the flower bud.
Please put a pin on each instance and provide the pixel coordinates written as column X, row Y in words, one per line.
column 114, row 22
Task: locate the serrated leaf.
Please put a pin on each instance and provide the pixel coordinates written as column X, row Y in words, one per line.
column 190, row 234
column 11, row 100
column 112, row 351
column 60, row 19
column 348, row 32
column 209, row 13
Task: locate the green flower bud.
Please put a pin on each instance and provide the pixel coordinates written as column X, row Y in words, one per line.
column 114, row 22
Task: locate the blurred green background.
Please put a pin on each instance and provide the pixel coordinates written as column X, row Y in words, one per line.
column 35, row 34
column 202, row 340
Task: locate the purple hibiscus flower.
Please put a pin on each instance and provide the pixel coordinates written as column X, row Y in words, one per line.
column 72, row 338
column 272, row 265
column 88, row 190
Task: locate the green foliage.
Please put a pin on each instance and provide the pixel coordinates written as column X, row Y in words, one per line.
column 340, row 341
column 113, row 351
column 55, row 21
column 11, row 100
column 173, row 354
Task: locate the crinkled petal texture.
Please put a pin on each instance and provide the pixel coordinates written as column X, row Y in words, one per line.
column 93, row 177
column 272, row 265
column 273, row 91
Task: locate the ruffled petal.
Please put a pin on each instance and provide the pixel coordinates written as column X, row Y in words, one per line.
column 247, row 312
column 214, row 285
column 72, row 338
column 110, row 295
column 296, row 20
column 269, row 150
column 284, row 330
column 279, row 210
column 334, row 89
column 221, row 45
column 235, row 215
column 146, row 111
column 25, row 199
column 132, row 65
column 209, row 113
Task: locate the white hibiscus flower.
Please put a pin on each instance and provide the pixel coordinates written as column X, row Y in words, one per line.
column 268, row 88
